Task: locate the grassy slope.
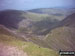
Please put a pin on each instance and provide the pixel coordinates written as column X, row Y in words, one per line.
column 30, row 48
column 39, row 17
column 62, row 38
column 40, row 26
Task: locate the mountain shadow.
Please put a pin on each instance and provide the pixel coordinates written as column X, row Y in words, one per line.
column 43, row 27
column 11, row 18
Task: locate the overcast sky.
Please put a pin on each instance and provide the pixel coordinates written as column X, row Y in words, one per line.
column 33, row 4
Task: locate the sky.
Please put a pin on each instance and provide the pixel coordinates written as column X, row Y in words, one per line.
column 33, row 4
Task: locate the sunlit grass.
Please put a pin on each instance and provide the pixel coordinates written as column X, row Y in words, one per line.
column 30, row 48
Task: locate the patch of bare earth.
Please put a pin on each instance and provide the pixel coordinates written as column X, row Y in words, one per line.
column 10, row 51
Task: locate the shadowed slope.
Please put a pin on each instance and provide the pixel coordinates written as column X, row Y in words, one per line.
column 11, row 18
column 69, row 21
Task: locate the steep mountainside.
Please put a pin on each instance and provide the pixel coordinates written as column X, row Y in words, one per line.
column 63, row 37
column 69, row 21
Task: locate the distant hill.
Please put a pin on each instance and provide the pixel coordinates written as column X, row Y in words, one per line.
column 16, row 18
column 53, row 11
column 28, row 22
